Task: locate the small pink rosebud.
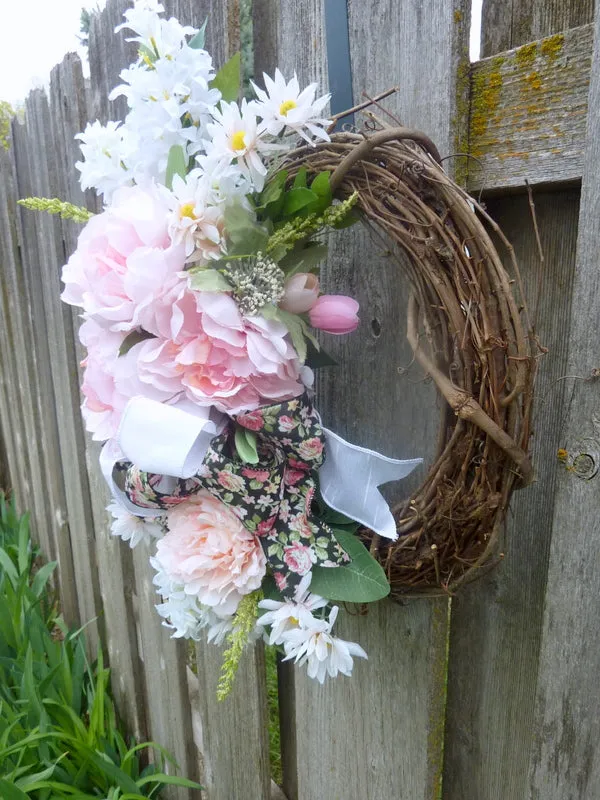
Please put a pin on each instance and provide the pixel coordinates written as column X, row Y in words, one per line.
column 301, row 293
column 334, row 313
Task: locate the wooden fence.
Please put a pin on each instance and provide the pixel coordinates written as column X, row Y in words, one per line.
column 497, row 699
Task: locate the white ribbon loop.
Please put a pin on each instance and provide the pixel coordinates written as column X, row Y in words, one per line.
column 167, row 440
column 172, row 440
column 349, row 478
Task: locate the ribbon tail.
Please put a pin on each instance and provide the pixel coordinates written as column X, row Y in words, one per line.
column 349, row 481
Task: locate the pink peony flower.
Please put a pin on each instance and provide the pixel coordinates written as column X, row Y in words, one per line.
column 301, row 293
column 210, row 552
column 124, row 266
column 334, row 313
column 299, row 558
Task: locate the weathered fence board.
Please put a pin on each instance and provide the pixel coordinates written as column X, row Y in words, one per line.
column 240, row 737
column 369, row 401
column 522, row 716
column 528, row 112
column 565, row 756
column 496, row 622
column 508, row 25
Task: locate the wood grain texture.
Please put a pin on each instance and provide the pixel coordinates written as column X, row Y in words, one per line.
column 46, row 498
column 234, row 734
column 167, row 696
column 528, row 112
column 511, row 23
column 496, row 622
column 565, row 755
column 372, row 399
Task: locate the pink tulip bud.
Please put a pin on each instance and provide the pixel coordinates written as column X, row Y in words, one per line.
column 334, row 313
column 301, row 293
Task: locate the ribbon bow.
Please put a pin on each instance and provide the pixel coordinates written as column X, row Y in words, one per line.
column 273, row 498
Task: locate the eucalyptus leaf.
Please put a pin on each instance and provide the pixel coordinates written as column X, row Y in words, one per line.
column 294, row 325
column 176, row 164
column 227, row 79
column 245, row 234
column 361, row 581
column 209, row 280
column 317, row 358
column 303, row 259
column 245, row 444
column 197, row 41
column 297, row 199
column 133, row 338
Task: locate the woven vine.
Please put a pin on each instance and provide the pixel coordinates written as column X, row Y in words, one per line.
column 469, row 333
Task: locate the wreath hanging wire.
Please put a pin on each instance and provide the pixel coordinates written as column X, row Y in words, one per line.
column 467, row 331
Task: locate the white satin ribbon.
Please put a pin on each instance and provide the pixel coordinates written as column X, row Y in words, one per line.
column 172, row 440
column 349, row 478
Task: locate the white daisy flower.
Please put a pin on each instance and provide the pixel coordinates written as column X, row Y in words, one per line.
column 193, row 221
column 133, row 529
column 291, row 615
column 163, row 37
column 283, row 105
column 325, row 654
column 234, row 137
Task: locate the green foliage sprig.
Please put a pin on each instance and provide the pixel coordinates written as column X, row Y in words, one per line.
column 243, row 626
column 298, row 229
column 52, row 205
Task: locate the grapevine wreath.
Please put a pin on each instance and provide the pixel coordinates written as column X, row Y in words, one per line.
column 200, row 293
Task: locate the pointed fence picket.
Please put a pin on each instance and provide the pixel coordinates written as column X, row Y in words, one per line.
column 493, row 698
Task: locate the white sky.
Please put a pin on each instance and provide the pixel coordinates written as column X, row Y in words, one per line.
column 36, row 34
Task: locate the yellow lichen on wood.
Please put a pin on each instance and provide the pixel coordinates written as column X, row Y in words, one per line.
column 552, row 47
column 486, row 89
column 525, row 55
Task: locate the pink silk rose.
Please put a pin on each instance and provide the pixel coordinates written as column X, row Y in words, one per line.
column 210, row 552
column 334, row 313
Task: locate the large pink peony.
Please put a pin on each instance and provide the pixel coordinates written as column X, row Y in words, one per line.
column 125, row 268
column 127, row 276
column 210, row 552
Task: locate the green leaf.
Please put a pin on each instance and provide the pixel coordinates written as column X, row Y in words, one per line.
column 318, row 358
column 300, row 179
column 227, row 79
column 295, row 327
column 245, row 444
column 7, row 565
column 8, row 791
column 176, row 164
column 133, row 338
column 197, row 41
column 274, row 189
column 361, row 581
column 303, row 259
column 161, row 778
column 321, row 186
column 147, row 54
column 209, row 280
column 41, row 578
column 297, row 199
column 244, row 235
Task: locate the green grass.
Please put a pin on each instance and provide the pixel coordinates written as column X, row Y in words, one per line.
column 273, row 706
column 59, row 733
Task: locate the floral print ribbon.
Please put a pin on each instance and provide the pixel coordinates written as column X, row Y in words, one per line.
column 273, row 498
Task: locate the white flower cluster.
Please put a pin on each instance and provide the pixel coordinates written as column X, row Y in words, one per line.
column 172, row 103
column 307, row 638
column 183, row 613
column 133, row 529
